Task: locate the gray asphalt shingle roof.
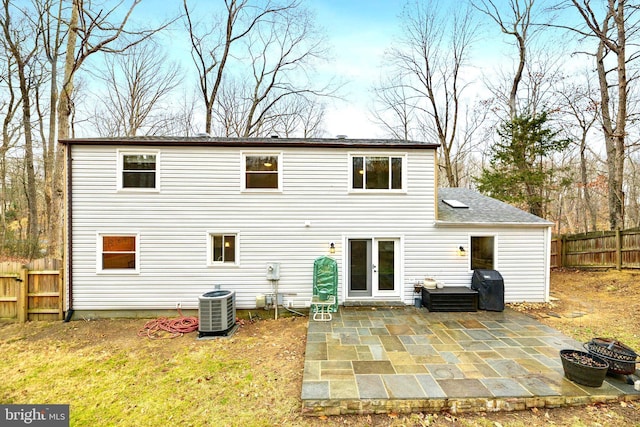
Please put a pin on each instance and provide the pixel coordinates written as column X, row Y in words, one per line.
column 481, row 209
column 205, row 140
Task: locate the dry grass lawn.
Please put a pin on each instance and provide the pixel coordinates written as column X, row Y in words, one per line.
column 112, row 377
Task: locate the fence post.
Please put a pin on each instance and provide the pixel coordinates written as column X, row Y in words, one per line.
column 23, row 298
column 563, row 254
column 61, row 298
column 618, row 250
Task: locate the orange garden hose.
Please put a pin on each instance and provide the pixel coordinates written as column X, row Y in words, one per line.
column 164, row 327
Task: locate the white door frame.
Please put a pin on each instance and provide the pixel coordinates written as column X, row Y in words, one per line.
column 398, row 267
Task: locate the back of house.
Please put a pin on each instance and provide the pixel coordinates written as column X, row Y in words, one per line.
column 155, row 222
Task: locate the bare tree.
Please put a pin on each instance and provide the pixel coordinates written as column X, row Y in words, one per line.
column 281, row 54
column 10, row 131
column 276, row 42
column 517, row 23
column 578, row 102
column 48, row 16
column 394, row 110
column 211, row 45
column 299, row 117
column 89, row 29
column 21, row 41
column 183, row 120
column 609, row 26
column 136, row 83
column 230, row 108
column 429, row 61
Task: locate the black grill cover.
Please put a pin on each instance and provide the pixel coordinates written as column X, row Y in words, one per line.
column 490, row 287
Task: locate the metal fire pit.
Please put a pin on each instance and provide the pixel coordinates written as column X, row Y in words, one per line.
column 621, row 358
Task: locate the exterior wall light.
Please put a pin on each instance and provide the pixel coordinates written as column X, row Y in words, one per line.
column 461, row 251
column 332, row 248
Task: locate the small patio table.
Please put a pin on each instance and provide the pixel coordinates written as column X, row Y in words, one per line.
column 322, row 308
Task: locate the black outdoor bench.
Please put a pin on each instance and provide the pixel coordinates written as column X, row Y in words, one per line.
column 450, row 298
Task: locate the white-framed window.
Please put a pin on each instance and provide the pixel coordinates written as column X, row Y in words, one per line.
column 139, row 170
column 483, row 254
column 118, row 253
column 223, row 248
column 377, row 172
column 262, row 171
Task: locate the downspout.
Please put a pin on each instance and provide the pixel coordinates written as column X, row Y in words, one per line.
column 435, row 186
column 547, row 263
column 69, row 245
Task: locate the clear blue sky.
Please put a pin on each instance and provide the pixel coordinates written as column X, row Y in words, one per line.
column 359, row 31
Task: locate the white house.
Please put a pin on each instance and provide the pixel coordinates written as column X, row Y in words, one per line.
column 155, row 222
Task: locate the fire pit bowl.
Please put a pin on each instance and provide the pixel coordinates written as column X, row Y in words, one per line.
column 621, row 358
column 584, row 368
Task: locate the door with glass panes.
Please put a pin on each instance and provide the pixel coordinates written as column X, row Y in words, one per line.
column 373, row 268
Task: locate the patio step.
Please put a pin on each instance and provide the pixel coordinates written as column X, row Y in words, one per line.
column 374, row 303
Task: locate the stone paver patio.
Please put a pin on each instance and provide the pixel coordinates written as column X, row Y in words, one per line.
column 376, row 360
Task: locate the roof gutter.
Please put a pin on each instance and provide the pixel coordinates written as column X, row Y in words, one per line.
column 252, row 143
column 454, row 224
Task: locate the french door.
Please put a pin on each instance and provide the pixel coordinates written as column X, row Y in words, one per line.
column 373, row 269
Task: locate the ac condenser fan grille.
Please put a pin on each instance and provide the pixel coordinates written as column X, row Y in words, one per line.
column 217, row 312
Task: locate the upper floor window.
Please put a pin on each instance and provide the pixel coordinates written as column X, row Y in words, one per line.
column 138, row 170
column 483, row 253
column 377, row 172
column 262, row 171
column 118, row 252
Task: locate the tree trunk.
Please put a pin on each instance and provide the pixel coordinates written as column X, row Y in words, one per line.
column 64, row 114
column 621, row 120
column 65, row 104
column 517, row 78
column 614, row 135
column 12, row 38
column 33, row 230
column 52, row 164
column 590, row 214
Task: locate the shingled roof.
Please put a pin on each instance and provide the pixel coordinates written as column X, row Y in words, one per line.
column 479, row 209
column 205, row 140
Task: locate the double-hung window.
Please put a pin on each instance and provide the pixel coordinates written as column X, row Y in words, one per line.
column 138, row 170
column 262, row 171
column 223, row 248
column 118, row 253
column 377, row 172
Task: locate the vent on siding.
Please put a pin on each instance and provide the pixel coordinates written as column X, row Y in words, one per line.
column 217, row 313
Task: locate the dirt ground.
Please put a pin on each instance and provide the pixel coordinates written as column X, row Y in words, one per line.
column 585, row 305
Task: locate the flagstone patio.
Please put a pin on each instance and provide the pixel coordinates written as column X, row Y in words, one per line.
column 376, row 360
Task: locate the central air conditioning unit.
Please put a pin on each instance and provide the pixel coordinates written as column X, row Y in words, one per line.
column 217, row 313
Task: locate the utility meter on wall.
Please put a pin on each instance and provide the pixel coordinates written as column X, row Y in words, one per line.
column 273, row 271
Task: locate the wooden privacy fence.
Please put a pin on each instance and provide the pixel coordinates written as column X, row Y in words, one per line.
column 601, row 249
column 33, row 291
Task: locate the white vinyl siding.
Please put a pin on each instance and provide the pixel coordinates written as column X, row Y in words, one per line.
column 202, row 193
column 520, row 254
